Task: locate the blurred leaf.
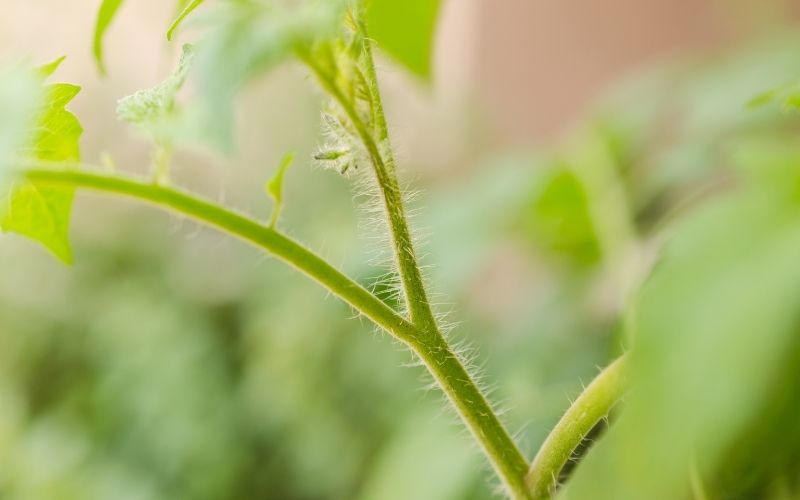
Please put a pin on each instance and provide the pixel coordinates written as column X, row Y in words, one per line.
column 186, row 9
column 47, row 70
column 670, row 145
column 153, row 109
column 246, row 38
column 42, row 212
column 558, row 218
column 763, row 99
column 764, row 461
column 712, row 332
column 275, row 187
column 105, row 15
column 787, row 97
column 405, row 30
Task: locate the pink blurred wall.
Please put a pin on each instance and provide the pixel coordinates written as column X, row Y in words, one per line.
column 536, row 64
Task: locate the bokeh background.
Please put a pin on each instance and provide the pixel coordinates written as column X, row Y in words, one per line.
column 554, row 141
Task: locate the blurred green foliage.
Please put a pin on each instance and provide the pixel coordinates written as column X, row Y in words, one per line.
column 713, row 330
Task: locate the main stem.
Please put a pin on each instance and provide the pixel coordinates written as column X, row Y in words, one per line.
column 430, row 345
column 476, row 412
column 375, row 138
column 383, row 161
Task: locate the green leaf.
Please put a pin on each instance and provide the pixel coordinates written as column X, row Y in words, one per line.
column 47, row 70
column 42, row 212
column 787, row 96
column 405, row 30
column 58, row 130
column 275, row 187
column 153, row 109
column 105, row 15
column 246, row 39
column 792, row 99
column 184, row 13
column 714, row 331
column 558, row 219
column 763, row 99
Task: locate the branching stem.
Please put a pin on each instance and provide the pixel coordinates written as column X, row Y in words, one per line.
column 375, row 138
column 431, row 346
column 418, row 303
column 476, row 412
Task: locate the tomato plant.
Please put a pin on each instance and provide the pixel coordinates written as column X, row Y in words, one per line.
column 702, row 404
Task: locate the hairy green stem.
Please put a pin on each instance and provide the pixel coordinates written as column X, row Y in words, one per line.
column 592, row 405
column 430, row 345
column 380, row 154
column 242, row 227
column 414, row 286
column 476, row 412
